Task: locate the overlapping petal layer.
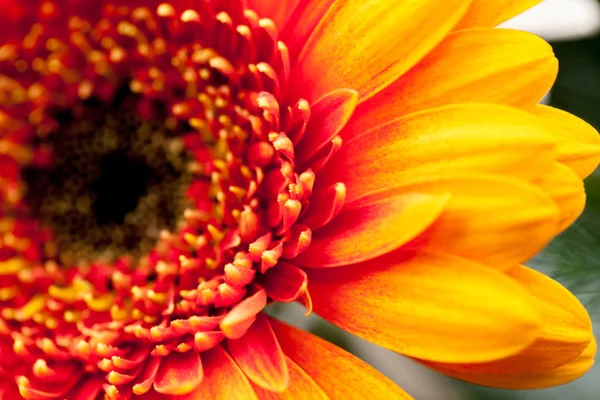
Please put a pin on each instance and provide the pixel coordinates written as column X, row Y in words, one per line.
column 560, row 353
column 414, row 170
column 518, row 72
column 346, row 378
column 442, row 140
column 430, row 306
column 491, row 13
column 368, row 58
column 579, row 142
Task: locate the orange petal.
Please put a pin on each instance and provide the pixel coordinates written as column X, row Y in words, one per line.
column 301, row 24
column 260, row 357
column 329, row 114
column 489, row 13
column 285, row 282
column 519, row 72
column 428, row 306
column 179, row 373
column 443, row 140
column 565, row 333
column 486, row 217
column 240, row 317
column 536, row 379
column 578, row 141
column 566, row 189
column 223, row 379
column 340, row 374
column 301, row 387
column 279, row 11
column 372, row 229
column 367, row 45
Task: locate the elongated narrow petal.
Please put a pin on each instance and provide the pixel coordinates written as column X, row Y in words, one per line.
column 369, row 57
column 279, row 11
column 329, row 114
column 535, row 379
column 302, row 23
column 373, row 229
column 170, row 167
column 489, row 13
column 240, row 317
column 89, row 389
column 519, row 72
column 301, row 386
column 485, row 218
column 285, row 282
column 578, row 142
column 260, row 357
column 223, row 379
column 429, row 306
column 340, row 374
column 442, row 141
column 564, row 335
column 326, row 205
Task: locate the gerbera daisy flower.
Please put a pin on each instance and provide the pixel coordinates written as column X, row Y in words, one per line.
column 170, row 168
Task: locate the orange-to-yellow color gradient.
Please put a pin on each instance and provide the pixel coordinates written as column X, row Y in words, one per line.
column 383, row 162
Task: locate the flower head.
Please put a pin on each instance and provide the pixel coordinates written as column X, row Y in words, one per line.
column 168, row 169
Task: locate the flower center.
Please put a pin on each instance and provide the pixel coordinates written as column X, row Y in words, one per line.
column 114, row 184
column 154, row 192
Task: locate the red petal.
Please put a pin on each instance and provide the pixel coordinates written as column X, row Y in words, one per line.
column 286, row 282
column 260, row 357
column 329, row 115
column 223, row 379
column 301, row 24
column 179, row 373
column 327, row 204
column 87, row 389
column 299, row 240
column 146, row 380
column 279, row 11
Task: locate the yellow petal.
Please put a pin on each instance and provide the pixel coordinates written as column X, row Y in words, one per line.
column 518, row 72
column 537, row 380
column 496, row 220
column 565, row 333
column 434, row 307
column 489, row 13
column 443, row 140
column 578, row 142
column 566, row 189
column 367, row 45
